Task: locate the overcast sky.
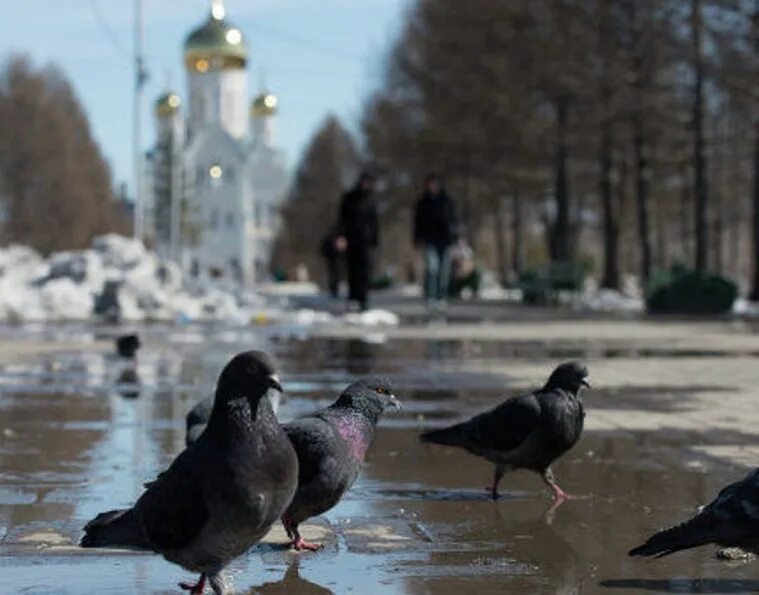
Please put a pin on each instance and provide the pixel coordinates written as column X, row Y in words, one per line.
column 317, row 56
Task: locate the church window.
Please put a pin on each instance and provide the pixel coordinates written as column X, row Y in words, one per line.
column 214, row 220
column 230, row 220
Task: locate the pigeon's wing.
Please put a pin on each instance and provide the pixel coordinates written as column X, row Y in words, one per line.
column 172, row 511
column 313, row 441
column 499, row 430
column 507, row 426
column 732, row 519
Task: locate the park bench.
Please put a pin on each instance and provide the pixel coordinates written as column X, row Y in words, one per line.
column 543, row 285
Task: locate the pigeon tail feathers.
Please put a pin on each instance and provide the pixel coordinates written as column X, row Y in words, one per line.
column 452, row 436
column 115, row 528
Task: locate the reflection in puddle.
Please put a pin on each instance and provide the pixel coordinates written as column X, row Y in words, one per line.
column 81, row 431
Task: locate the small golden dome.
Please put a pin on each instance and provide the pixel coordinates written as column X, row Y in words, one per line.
column 264, row 105
column 167, row 105
column 215, row 45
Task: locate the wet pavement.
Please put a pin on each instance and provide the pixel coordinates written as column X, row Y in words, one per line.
column 81, row 429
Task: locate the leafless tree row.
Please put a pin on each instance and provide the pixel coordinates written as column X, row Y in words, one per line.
column 55, row 186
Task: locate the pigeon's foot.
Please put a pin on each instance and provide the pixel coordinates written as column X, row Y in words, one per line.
column 299, row 544
column 493, row 491
column 197, row 588
column 559, row 495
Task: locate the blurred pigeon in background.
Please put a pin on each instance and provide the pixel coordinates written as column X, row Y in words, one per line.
column 526, row 432
column 731, row 520
column 222, row 494
column 331, row 445
column 127, row 345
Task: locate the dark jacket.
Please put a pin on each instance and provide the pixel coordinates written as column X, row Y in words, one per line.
column 435, row 221
column 358, row 219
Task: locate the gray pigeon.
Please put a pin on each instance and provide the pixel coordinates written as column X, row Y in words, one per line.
column 732, row 520
column 526, row 432
column 198, row 417
column 222, row 494
column 331, row 445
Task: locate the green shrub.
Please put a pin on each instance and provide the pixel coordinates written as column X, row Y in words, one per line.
column 685, row 291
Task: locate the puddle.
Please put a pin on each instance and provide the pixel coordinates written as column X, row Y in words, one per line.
column 80, row 432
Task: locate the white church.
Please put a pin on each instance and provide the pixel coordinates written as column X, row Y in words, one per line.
column 215, row 177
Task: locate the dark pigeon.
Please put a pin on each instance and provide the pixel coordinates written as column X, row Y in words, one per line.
column 198, row 417
column 331, row 445
column 222, row 494
column 732, row 520
column 526, row 432
column 127, row 345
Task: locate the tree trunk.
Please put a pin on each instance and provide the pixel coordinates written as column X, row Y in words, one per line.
column 517, row 248
column 755, row 289
column 500, row 242
column 561, row 245
column 611, row 228
column 610, row 277
column 641, row 200
column 699, row 163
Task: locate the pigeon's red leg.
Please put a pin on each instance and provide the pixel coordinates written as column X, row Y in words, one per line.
column 493, row 489
column 559, row 495
column 299, row 544
column 288, row 525
column 197, row 588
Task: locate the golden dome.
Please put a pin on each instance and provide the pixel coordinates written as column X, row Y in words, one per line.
column 264, row 105
column 215, row 44
column 167, row 105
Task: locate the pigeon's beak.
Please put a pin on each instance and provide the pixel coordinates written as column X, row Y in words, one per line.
column 274, row 383
column 392, row 401
column 585, row 382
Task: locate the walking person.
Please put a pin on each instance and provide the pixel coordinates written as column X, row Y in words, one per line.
column 435, row 231
column 360, row 235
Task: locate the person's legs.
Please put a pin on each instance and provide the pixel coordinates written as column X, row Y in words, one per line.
column 444, row 274
column 431, row 271
column 364, row 278
column 353, row 263
column 333, row 276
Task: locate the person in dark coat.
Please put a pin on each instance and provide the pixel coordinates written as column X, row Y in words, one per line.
column 435, row 231
column 360, row 234
column 332, row 249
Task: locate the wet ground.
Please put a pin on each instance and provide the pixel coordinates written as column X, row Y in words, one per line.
column 80, row 430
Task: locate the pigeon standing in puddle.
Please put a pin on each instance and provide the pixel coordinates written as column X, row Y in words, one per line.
column 222, row 494
column 526, row 432
column 331, row 445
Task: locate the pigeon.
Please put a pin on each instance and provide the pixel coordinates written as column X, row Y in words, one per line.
column 526, row 432
column 222, row 494
column 198, row 417
column 731, row 520
column 331, row 445
column 127, row 345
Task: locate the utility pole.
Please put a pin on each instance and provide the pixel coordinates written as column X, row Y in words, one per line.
column 140, row 77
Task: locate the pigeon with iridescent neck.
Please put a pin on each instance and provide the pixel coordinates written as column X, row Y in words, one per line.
column 331, row 445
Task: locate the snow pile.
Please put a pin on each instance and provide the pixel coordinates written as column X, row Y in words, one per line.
column 117, row 279
column 745, row 308
column 610, row 300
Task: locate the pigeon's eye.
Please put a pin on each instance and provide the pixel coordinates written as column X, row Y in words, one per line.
column 381, row 390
